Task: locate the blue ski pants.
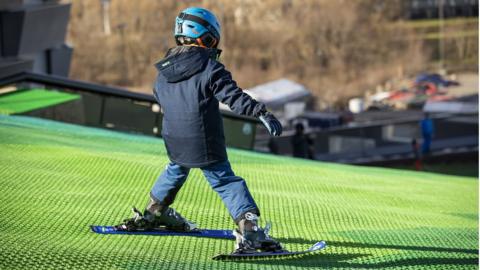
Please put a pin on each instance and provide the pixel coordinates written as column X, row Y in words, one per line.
column 231, row 188
column 427, row 141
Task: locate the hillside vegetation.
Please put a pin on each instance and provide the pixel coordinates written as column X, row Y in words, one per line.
column 337, row 48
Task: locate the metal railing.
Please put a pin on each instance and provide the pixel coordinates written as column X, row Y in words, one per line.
column 109, row 101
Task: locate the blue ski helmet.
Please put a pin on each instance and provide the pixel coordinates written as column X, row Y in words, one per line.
column 197, row 26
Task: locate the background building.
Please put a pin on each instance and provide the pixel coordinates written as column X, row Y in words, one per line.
column 32, row 37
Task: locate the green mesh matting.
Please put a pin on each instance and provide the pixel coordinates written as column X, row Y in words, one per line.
column 32, row 99
column 57, row 179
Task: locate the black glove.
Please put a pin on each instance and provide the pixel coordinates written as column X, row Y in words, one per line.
column 271, row 123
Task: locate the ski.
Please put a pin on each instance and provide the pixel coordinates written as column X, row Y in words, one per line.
column 239, row 256
column 221, row 234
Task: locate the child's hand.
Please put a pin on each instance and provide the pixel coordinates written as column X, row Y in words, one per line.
column 271, row 123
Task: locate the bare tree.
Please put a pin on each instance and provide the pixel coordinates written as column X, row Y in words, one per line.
column 337, row 48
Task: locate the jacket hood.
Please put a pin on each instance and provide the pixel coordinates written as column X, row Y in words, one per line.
column 183, row 62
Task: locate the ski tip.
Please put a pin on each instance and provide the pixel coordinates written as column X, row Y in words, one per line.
column 317, row 246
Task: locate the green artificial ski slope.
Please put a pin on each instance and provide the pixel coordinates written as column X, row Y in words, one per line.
column 32, row 99
column 57, row 179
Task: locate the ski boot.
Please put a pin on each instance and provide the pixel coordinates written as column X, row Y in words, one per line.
column 156, row 217
column 250, row 238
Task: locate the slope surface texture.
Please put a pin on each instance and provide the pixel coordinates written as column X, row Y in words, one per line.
column 57, row 179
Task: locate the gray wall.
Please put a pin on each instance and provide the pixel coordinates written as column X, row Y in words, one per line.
column 34, row 31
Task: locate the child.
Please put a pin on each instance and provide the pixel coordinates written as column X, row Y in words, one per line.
column 189, row 86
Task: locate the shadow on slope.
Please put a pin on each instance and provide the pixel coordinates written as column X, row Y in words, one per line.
column 341, row 260
column 379, row 246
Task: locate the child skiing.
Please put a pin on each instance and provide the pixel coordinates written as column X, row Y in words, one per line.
column 189, row 86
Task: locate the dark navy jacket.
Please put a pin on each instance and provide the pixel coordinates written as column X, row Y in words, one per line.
column 189, row 85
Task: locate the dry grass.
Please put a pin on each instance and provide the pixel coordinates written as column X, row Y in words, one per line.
column 337, row 48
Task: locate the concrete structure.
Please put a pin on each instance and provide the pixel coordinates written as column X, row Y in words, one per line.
column 32, row 37
column 286, row 98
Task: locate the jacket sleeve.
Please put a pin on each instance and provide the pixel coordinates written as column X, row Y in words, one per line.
column 226, row 91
